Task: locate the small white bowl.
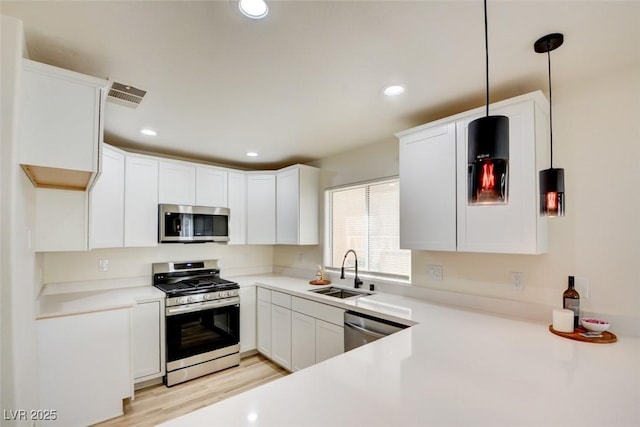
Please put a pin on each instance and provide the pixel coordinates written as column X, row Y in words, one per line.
column 595, row 325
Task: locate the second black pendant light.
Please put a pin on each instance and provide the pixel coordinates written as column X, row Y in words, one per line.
column 488, row 149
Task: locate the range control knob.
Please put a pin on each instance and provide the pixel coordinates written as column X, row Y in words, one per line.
column 190, row 299
column 207, row 296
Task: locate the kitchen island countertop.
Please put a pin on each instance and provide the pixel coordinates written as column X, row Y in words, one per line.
column 453, row 368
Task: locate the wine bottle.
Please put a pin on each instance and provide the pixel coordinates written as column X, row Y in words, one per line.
column 571, row 301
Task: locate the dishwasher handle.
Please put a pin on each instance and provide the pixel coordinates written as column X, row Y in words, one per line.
column 364, row 331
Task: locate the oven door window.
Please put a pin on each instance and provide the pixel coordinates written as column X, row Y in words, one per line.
column 190, row 334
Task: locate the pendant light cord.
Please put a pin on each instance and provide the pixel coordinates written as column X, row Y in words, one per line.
column 486, row 54
column 550, row 106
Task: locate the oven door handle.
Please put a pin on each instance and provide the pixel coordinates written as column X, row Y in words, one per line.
column 172, row 311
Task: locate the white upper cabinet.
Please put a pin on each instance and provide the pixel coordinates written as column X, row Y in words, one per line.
column 141, row 201
column 176, row 183
column 237, row 196
column 297, row 205
column 60, row 126
column 211, row 187
column 434, row 211
column 106, row 202
column 183, row 183
column 428, row 189
column 515, row 227
column 261, row 208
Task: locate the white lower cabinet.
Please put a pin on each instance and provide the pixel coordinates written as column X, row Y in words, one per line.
column 313, row 340
column 148, row 342
column 295, row 332
column 84, row 366
column 317, row 332
column 303, row 341
column 247, row 318
column 329, row 340
column 263, row 313
column 281, row 336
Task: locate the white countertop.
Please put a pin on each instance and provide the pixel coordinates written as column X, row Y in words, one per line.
column 454, row 368
column 70, row 303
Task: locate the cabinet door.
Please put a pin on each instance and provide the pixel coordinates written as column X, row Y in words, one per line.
column 211, row 187
column 247, row 318
column 428, row 189
column 61, row 220
column 514, row 227
column 287, row 207
column 176, row 183
column 264, row 327
column 106, row 206
column 303, row 341
column 329, row 340
column 237, row 195
column 140, row 201
column 146, row 322
column 261, row 209
column 91, row 354
column 281, row 336
column 59, row 120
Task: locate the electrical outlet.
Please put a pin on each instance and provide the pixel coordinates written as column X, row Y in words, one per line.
column 434, row 272
column 517, row 280
column 582, row 287
column 103, row 265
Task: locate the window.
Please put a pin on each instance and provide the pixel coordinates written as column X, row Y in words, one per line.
column 365, row 218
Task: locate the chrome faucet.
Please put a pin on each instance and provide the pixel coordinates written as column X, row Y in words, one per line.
column 356, row 281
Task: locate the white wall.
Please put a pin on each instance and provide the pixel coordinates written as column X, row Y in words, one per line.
column 20, row 266
column 597, row 141
column 136, row 262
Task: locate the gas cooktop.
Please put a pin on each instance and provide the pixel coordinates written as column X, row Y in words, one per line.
column 188, row 278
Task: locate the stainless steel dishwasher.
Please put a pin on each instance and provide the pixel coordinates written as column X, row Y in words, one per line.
column 361, row 329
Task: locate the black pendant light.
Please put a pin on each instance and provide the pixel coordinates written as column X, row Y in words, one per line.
column 552, row 201
column 488, row 149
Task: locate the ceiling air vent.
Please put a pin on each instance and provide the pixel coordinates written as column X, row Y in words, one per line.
column 128, row 96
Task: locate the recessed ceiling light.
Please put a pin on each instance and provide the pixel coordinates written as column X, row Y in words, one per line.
column 254, row 9
column 393, row 90
column 149, row 132
column 252, row 154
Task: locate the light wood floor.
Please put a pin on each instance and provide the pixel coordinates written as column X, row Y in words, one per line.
column 157, row 404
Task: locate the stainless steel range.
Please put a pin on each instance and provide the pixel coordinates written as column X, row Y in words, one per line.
column 202, row 318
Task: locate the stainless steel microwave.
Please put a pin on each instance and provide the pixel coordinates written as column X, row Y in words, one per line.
column 192, row 224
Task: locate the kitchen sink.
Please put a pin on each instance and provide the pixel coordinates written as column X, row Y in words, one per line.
column 339, row 292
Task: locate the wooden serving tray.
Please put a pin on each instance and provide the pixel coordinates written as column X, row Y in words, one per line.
column 320, row 282
column 606, row 338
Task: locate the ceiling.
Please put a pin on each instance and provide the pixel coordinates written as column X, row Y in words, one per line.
column 305, row 82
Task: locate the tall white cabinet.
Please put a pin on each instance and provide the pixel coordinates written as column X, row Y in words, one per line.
column 237, row 197
column 106, row 205
column 428, row 189
column 261, row 208
column 297, row 205
column 434, row 211
column 141, row 201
